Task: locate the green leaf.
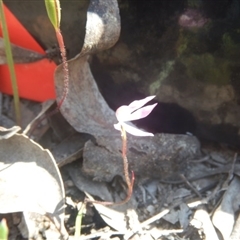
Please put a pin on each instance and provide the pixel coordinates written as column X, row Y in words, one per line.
column 54, row 12
column 3, row 230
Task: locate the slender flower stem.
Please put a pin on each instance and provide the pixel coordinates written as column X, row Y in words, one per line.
column 65, row 81
column 125, row 164
column 124, row 155
column 54, row 13
column 65, row 66
column 126, row 174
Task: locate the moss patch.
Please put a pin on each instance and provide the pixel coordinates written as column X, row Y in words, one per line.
column 206, row 68
column 230, row 48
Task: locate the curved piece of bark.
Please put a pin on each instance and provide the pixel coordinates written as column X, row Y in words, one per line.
column 30, row 180
column 102, row 27
column 84, row 108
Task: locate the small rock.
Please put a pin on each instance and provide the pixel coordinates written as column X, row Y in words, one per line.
column 151, row 209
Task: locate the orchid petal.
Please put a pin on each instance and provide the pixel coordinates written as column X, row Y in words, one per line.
column 139, row 103
column 122, row 113
column 135, row 131
column 140, row 113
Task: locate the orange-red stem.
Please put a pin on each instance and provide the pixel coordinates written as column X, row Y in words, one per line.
column 65, row 66
column 126, row 174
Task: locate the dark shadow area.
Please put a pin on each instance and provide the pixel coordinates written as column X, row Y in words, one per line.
column 165, row 118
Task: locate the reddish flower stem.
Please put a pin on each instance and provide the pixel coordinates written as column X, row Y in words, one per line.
column 126, row 174
column 65, row 80
column 65, row 67
column 125, row 165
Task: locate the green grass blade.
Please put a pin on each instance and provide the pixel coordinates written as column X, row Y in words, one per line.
column 78, row 220
column 10, row 64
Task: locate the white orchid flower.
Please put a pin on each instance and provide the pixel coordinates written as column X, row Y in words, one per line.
column 134, row 111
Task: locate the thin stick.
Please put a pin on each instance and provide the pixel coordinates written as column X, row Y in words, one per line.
column 191, row 186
